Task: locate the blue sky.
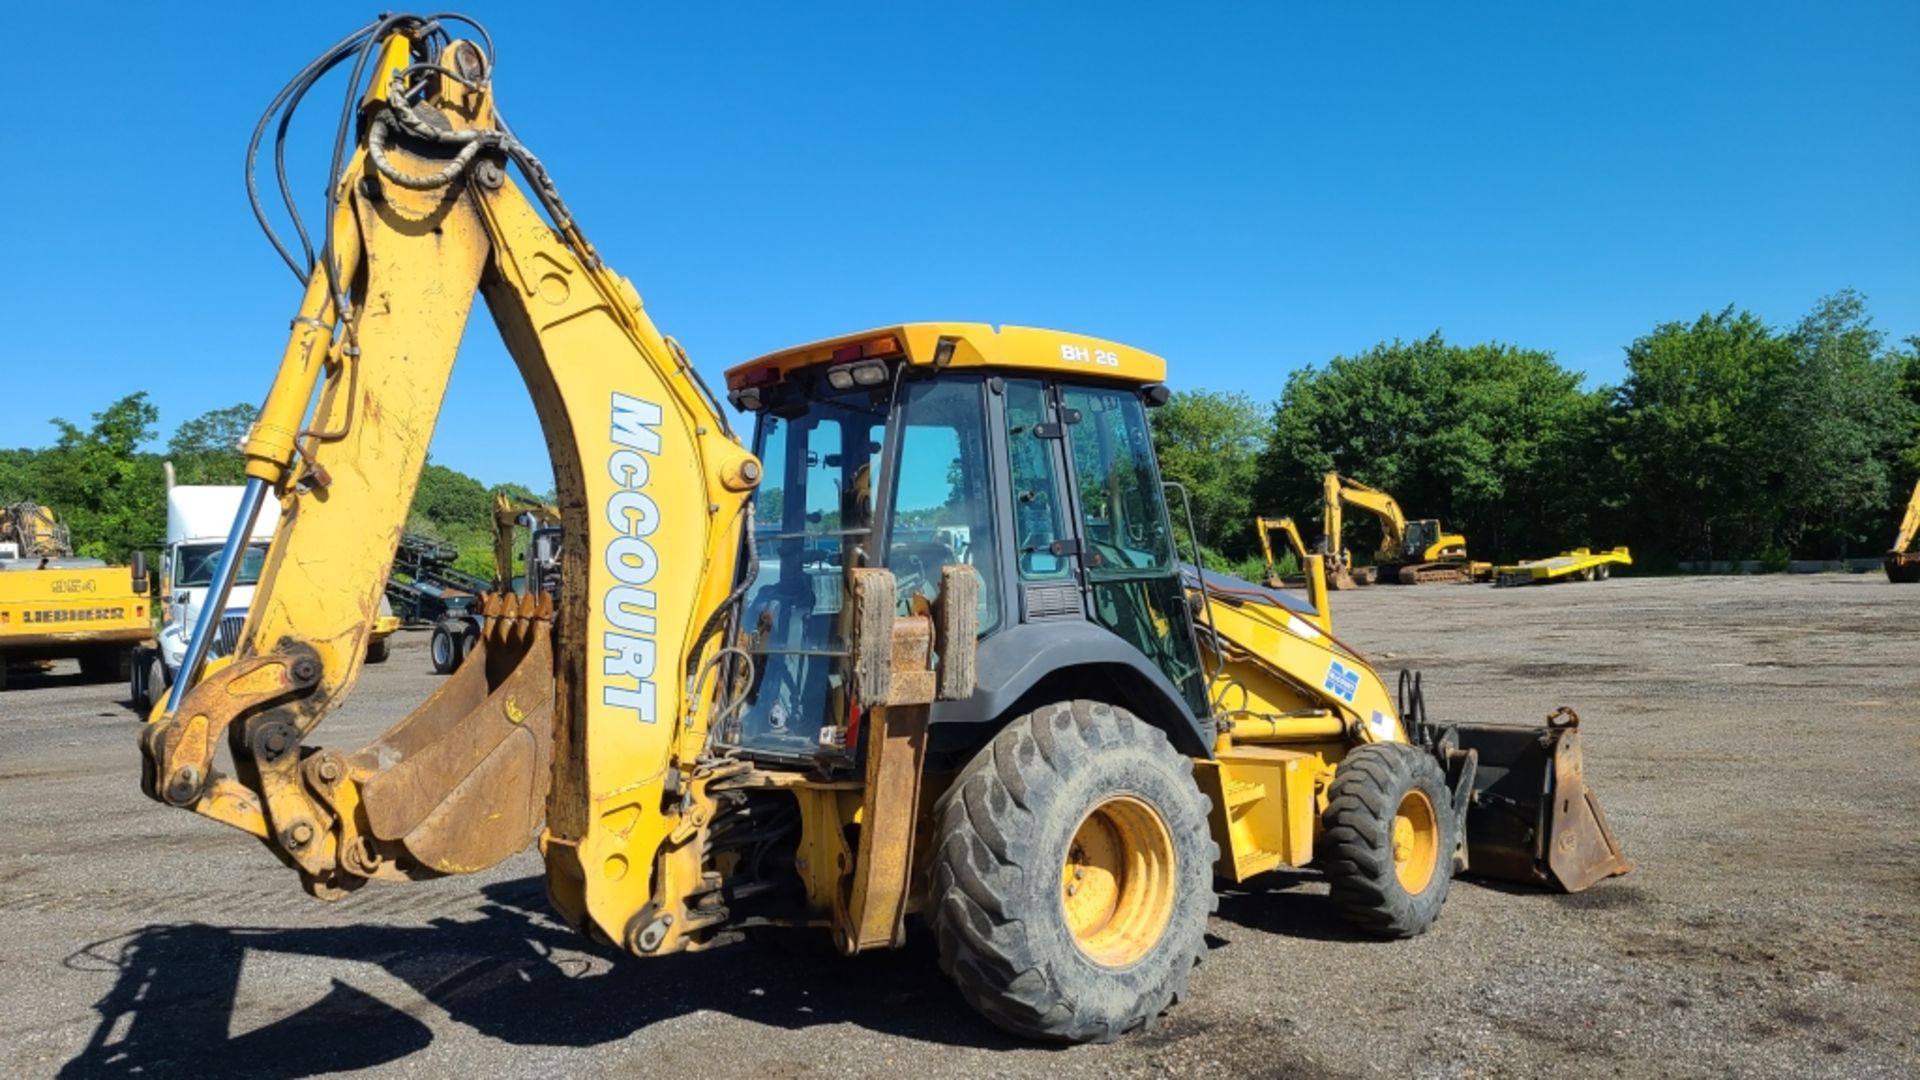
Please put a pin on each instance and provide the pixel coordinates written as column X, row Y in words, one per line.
column 1243, row 188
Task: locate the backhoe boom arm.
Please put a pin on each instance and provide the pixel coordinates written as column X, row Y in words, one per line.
column 1338, row 490
column 651, row 489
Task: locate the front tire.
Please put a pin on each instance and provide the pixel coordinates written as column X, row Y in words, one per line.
column 378, row 651
column 1389, row 839
column 157, row 685
column 1074, row 875
column 148, row 683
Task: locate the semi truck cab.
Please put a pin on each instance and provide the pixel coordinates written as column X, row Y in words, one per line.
column 198, row 517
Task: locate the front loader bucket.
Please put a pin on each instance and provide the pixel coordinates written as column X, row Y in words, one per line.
column 1532, row 818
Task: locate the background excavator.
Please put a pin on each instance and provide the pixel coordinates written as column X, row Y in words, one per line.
column 456, row 633
column 926, row 649
column 1264, row 528
column 1903, row 565
column 54, row 604
column 1419, row 552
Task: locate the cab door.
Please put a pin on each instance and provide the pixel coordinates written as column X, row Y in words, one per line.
column 1128, row 570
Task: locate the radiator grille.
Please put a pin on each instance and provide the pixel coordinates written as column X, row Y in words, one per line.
column 227, row 635
column 1052, row 601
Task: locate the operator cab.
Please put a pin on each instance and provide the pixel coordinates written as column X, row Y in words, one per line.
column 1427, row 540
column 1421, row 535
column 1023, row 453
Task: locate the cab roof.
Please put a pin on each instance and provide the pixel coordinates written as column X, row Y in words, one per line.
column 973, row 345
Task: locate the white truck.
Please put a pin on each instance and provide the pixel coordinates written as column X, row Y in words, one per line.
column 198, row 518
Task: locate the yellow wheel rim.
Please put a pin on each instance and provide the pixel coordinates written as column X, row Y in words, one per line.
column 1117, row 882
column 1416, row 842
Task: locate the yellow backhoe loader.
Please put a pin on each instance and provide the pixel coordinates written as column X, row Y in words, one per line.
column 1903, row 565
column 1419, row 552
column 925, row 649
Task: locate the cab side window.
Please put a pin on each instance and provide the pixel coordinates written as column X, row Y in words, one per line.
column 1120, row 501
column 1038, row 495
column 942, row 512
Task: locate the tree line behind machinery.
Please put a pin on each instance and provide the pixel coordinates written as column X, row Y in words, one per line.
column 111, row 494
column 1728, row 439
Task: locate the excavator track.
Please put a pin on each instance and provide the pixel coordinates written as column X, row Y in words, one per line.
column 1434, row 574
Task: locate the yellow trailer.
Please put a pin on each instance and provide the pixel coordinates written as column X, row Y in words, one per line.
column 1579, row 564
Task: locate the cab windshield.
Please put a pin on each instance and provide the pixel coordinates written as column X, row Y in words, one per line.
column 193, row 564
column 1421, row 535
column 813, row 520
column 840, row 466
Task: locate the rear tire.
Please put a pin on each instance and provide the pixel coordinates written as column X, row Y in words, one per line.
column 378, row 651
column 443, row 649
column 1389, row 839
column 469, row 641
column 1602, row 572
column 1074, row 875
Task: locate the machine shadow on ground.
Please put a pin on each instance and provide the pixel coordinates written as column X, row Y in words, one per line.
column 60, row 677
column 515, row 975
column 1274, row 903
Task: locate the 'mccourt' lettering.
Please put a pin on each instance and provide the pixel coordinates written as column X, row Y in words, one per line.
column 629, row 649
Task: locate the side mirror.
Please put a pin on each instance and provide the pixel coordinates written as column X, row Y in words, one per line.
column 140, row 573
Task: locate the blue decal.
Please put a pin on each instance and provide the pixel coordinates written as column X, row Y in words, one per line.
column 1343, row 682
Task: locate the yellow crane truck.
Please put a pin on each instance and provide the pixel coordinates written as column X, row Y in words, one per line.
column 925, row 648
column 54, row 605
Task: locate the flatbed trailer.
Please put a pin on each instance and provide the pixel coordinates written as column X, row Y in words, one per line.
column 1579, row 564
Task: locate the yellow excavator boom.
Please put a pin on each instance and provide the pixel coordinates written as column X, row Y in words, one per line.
column 1264, row 528
column 1903, row 565
column 508, row 514
column 1339, row 490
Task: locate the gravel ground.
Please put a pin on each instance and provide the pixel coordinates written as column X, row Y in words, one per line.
column 1756, row 742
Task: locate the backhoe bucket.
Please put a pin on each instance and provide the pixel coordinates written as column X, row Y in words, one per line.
column 462, row 782
column 1903, row 568
column 1532, row 818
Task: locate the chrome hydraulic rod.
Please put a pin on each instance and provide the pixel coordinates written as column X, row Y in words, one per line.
column 231, row 556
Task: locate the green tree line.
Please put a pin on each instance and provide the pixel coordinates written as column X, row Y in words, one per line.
column 112, row 494
column 1729, row 438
